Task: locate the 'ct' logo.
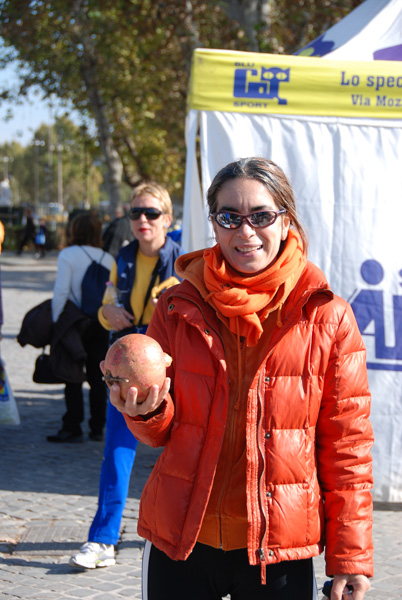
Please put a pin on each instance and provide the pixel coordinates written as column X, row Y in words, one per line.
column 249, row 83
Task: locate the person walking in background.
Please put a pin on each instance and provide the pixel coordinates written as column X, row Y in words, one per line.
column 41, row 239
column 266, row 428
column 72, row 264
column 140, row 267
column 118, row 233
column 29, row 231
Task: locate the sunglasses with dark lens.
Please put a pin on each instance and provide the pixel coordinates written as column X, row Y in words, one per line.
column 150, row 213
column 231, row 220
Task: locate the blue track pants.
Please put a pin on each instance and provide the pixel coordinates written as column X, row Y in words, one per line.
column 118, row 459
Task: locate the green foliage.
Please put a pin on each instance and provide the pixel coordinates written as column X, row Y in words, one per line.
column 295, row 23
column 62, row 155
column 128, row 61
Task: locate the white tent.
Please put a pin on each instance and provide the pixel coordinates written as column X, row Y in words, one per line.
column 335, row 127
column 373, row 31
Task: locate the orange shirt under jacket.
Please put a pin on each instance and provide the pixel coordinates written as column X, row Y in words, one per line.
column 225, row 521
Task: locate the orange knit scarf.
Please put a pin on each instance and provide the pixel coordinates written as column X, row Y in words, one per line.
column 247, row 301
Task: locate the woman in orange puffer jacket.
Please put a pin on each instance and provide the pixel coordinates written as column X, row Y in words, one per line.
column 266, row 426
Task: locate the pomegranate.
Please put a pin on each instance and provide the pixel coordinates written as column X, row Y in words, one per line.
column 136, row 360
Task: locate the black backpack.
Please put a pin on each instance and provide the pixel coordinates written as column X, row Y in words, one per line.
column 93, row 287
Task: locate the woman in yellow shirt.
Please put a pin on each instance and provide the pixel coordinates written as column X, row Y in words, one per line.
column 139, row 267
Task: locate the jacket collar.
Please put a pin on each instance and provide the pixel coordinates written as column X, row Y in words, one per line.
column 130, row 251
column 312, row 281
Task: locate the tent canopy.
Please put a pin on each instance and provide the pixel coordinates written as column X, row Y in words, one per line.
column 373, row 31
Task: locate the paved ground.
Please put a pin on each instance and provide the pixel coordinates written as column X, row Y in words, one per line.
column 48, row 493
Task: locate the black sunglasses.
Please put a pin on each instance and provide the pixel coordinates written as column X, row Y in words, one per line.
column 231, row 220
column 150, row 213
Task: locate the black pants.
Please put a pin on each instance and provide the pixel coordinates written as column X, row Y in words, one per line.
column 211, row 574
column 28, row 237
column 96, row 342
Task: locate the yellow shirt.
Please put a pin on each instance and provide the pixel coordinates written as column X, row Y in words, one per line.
column 144, row 267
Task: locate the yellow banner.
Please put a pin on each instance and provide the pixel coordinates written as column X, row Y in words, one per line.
column 223, row 80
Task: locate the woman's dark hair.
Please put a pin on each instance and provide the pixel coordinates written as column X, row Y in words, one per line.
column 271, row 176
column 86, row 229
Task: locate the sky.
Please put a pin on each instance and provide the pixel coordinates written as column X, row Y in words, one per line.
column 27, row 117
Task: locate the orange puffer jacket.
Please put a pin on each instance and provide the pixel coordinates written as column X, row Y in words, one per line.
column 308, row 433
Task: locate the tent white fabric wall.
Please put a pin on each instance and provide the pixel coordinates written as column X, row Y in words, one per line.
column 347, row 178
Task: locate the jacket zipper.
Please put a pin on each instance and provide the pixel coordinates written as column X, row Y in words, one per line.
column 263, row 562
column 261, row 487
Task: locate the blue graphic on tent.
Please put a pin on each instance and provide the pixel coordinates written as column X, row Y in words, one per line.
column 321, row 47
column 318, row 47
column 368, row 307
column 263, row 85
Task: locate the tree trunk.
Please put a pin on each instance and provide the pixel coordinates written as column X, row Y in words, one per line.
column 193, row 38
column 89, row 74
column 250, row 14
column 110, row 154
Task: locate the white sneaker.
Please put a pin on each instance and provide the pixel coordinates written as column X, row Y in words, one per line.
column 92, row 555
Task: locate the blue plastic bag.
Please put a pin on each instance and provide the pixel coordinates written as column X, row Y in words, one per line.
column 9, row 414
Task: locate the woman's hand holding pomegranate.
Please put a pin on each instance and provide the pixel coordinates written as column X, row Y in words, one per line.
column 135, row 372
column 130, row 405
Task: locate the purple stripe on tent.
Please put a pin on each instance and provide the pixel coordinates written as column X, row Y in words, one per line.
column 391, row 53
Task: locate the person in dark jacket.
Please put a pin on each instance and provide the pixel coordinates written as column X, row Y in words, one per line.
column 72, row 264
column 29, row 231
column 67, row 352
column 118, row 233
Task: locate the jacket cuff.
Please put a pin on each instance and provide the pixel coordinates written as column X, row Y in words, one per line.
column 154, row 430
